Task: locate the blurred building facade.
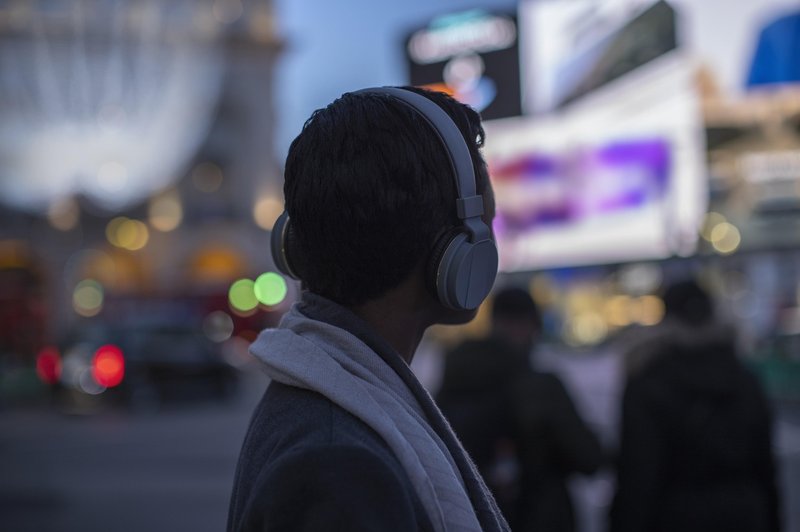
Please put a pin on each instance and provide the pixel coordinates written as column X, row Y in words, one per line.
column 138, row 165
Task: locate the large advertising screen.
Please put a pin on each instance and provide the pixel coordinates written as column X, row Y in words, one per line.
column 607, row 166
column 573, row 48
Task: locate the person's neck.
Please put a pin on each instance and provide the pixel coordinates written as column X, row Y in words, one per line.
column 398, row 319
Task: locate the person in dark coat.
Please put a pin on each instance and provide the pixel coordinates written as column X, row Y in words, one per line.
column 387, row 224
column 695, row 448
column 519, row 425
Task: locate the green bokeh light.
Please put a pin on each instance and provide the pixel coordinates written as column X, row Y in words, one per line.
column 270, row 288
column 242, row 296
column 87, row 298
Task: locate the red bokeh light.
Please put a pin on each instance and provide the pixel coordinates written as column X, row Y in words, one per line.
column 48, row 365
column 108, row 366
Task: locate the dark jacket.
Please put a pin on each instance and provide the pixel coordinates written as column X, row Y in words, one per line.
column 554, row 444
column 696, row 442
column 493, row 398
column 476, row 397
column 307, row 464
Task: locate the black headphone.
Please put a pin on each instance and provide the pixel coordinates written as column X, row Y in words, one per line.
column 463, row 264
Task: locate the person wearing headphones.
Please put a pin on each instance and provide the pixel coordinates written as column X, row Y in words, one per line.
column 388, row 226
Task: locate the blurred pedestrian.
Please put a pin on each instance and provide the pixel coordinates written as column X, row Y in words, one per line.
column 695, row 446
column 387, row 223
column 518, row 424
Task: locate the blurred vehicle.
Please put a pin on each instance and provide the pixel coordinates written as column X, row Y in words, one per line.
column 139, row 365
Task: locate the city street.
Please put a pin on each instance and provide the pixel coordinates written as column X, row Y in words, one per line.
column 162, row 471
column 173, row 469
column 630, row 169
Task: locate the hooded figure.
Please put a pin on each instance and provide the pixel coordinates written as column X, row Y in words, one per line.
column 695, row 447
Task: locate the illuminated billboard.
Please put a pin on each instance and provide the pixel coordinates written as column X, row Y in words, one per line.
column 608, row 166
column 577, row 47
column 472, row 56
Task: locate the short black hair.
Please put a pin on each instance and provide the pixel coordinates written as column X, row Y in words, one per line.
column 688, row 302
column 368, row 188
column 515, row 303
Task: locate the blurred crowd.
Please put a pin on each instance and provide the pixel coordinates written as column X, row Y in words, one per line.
column 695, row 449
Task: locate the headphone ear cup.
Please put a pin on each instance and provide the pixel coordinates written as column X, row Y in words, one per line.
column 435, row 259
column 280, row 243
column 466, row 272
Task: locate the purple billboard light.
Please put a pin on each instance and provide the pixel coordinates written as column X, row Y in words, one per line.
column 537, row 191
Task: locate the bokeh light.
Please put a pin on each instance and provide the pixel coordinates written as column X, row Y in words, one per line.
column 216, row 264
column 218, row 326
column 725, row 238
column 649, row 310
column 585, row 329
column 108, row 366
column 87, row 383
column 48, row 365
column 112, row 227
column 132, row 235
column 641, row 278
column 270, row 288
column 87, row 298
column 166, row 211
column 617, row 311
column 127, row 234
column 266, row 210
column 241, row 295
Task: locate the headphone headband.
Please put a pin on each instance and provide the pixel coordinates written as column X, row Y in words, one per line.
column 468, row 203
